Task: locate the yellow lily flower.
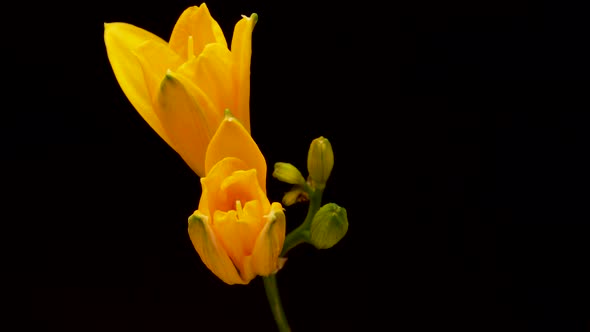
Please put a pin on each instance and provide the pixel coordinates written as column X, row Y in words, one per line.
column 182, row 88
column 237, row 232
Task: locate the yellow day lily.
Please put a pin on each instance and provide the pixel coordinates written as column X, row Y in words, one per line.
column 182, row 88
column 237, row 232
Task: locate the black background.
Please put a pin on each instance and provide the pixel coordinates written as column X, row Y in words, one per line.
column 460, row 134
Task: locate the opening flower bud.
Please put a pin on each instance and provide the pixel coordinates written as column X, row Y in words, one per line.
column 295, row 195
column 320, row 160
column 328, row 226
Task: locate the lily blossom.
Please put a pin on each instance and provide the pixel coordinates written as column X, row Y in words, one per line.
column 236, row 231
column 181, row 88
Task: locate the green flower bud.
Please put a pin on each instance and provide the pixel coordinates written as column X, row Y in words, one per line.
column 328, row 226
column 320, row 160
column 286, row 172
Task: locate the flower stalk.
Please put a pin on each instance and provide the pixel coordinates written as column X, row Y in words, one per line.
column 301, row 233
column 274, row 300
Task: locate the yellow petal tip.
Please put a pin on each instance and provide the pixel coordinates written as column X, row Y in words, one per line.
column 227, row 114
column 168, row 79
column 253, row 18
column 197, row 217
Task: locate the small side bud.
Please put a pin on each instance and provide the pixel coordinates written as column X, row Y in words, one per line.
column 320, row 160
column 288, row 173
column 295, row 195
column 328, row 226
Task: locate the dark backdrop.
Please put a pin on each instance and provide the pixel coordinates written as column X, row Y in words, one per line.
column 460, row 134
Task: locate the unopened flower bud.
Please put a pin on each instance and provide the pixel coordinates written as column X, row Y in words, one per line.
column 328, row 226
column 320, row 160
column 288, row 173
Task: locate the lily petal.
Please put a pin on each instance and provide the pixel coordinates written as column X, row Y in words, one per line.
column 195, row 22
column 241, row 49
column 120, row 40
column 212, row 116
column 155, row 60
column 265, row 257
column 238, row 234
column 211, row 72
column 211, row 184
column 184, row 121
column 211, row 252
column 232, row 140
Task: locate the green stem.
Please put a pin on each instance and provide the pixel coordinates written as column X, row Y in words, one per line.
column 301, row 233
column 272, row 294
column 295, row 237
